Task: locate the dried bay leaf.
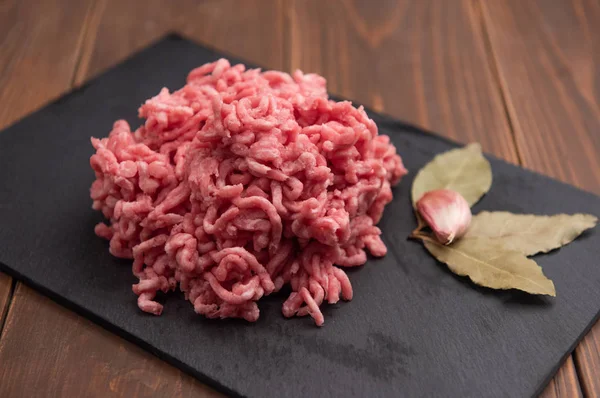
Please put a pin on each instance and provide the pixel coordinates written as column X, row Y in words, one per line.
column 487, row 263
column 529, row 234
column 463, row 170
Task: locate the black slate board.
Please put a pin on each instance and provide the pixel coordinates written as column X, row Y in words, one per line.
column 413, row 328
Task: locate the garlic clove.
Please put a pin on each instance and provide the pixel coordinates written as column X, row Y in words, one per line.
column 446, row 212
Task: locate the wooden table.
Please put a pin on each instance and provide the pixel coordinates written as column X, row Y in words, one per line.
column 520, row 76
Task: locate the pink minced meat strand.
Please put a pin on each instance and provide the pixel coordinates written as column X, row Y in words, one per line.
column 240, row 183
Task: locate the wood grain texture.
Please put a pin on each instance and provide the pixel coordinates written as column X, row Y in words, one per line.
column 5, row 291
column 40, row 43
column 564, row 384
column 50, row 350
column 548, row 60
column 587, row 359
column 425, row 62
column 548, row 57
column 84, row 359
column 421, row 61
column 250, row 29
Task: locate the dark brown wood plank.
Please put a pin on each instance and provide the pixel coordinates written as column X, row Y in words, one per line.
column 47, row 348
column 96, row 58
column 425, row 62
column 40, row 44
column 252, row 29
column 422, row 61
column 587, row 359
column 564, row 384
column 5, row 287
column 549, row 75
column 548, row 57
column 84, row 359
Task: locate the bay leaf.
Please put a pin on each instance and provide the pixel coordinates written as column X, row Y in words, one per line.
column 487, row 263
column 527, row 233
column 463, row 170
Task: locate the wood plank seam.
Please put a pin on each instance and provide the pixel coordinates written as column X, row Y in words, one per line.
column 133, row 370
column 579, row 359
column 81, row 67
column 78, row 52
column 4, row 313
column 81, row 41
column 87, row 43
column 287, row 9
column 493, row 65
column 512, row 120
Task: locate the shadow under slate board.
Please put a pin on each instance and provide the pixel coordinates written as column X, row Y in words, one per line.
column 413, row 328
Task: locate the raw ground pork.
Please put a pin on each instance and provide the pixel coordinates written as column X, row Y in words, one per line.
column 242, row 182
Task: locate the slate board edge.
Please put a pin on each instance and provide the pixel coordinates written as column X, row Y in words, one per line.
column 111, row 327
column 382, row 119
column 544, row 383
column 102, row 322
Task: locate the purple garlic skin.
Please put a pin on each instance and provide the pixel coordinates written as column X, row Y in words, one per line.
column 446, row 212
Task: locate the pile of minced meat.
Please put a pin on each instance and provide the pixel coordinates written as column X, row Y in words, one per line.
column 240, row 183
